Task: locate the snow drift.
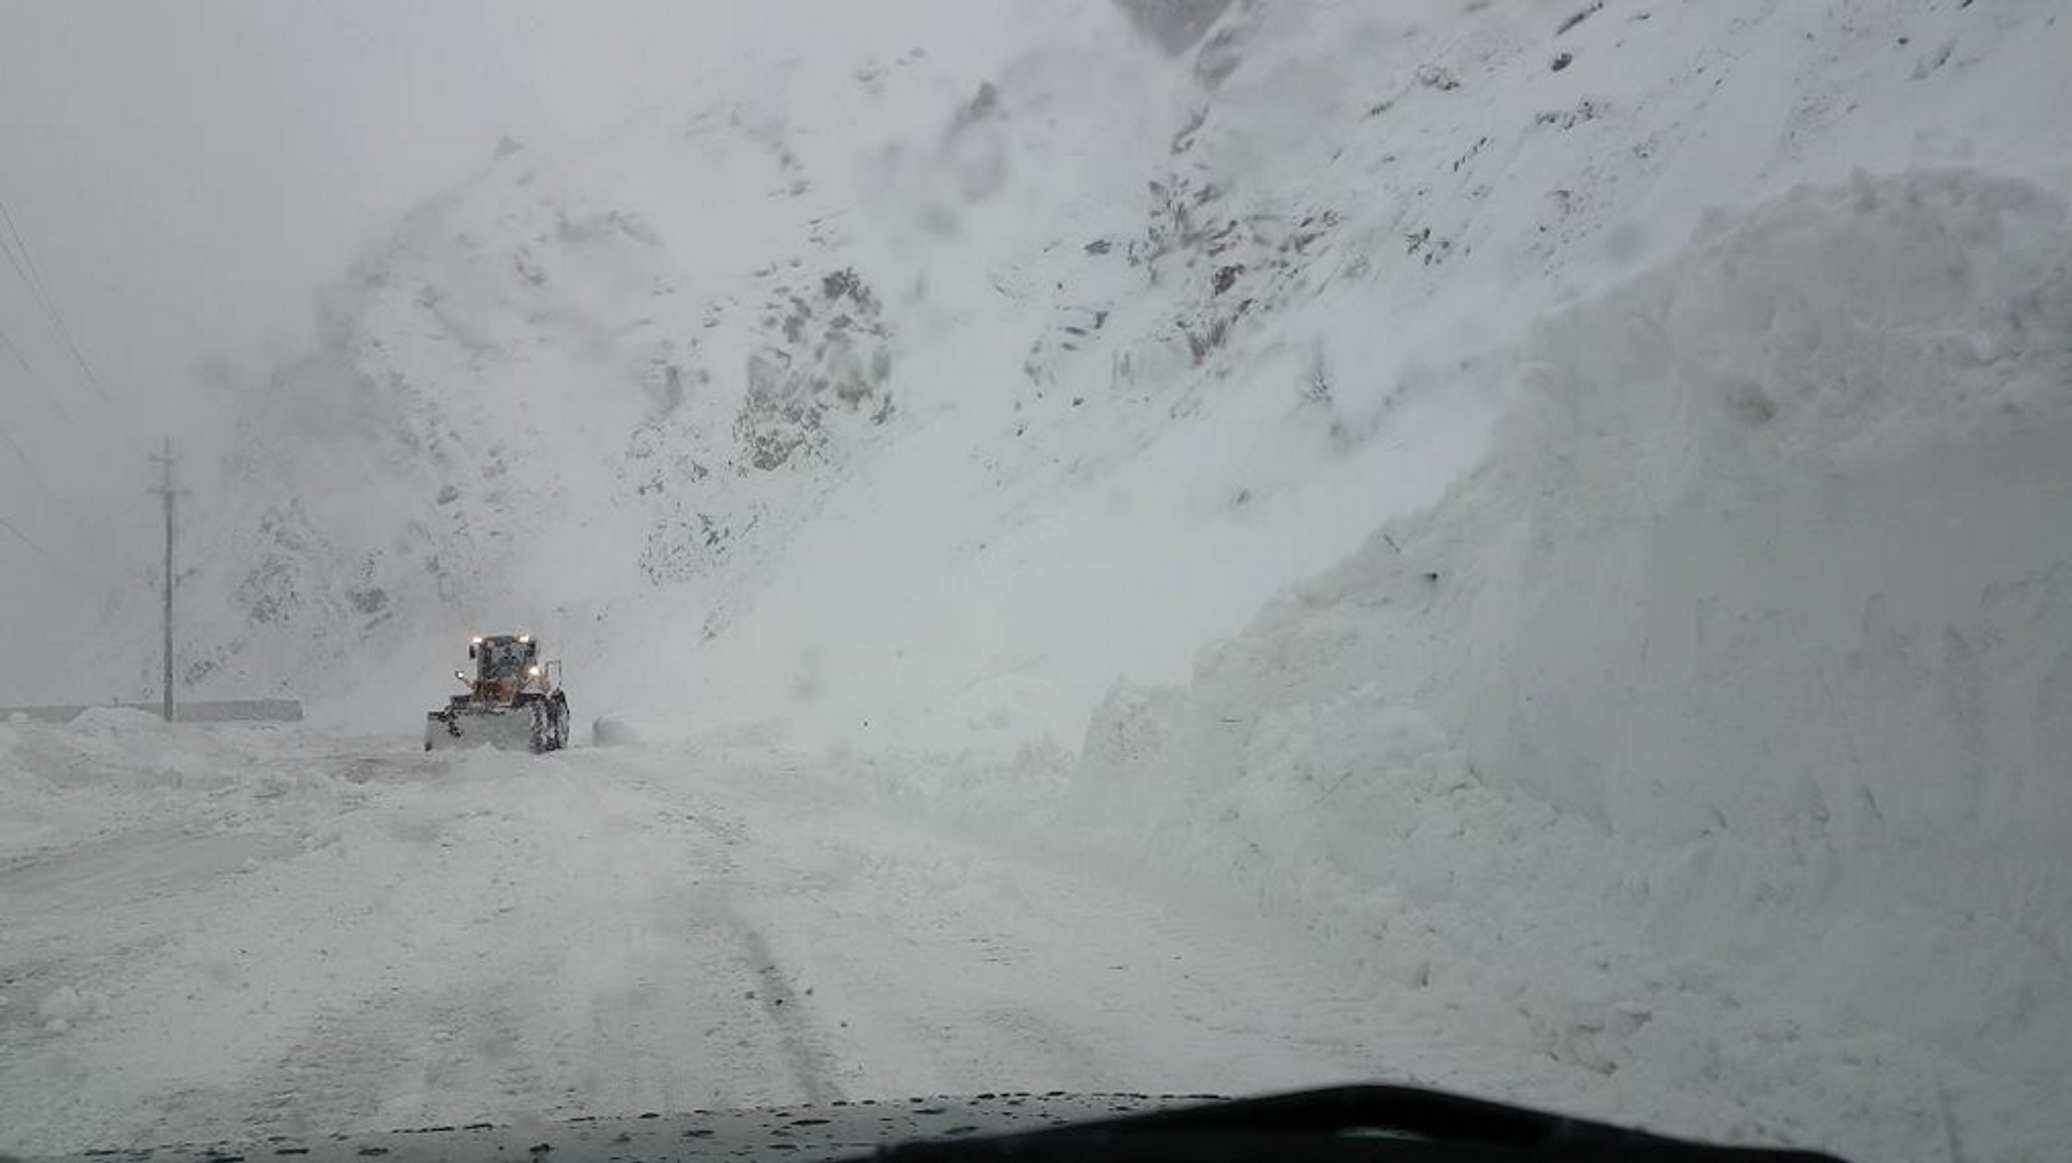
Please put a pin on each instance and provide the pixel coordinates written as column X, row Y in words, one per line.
column 1717, row 727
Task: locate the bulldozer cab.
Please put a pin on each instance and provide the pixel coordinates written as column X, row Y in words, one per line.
column 506, row 665
column 502, row 659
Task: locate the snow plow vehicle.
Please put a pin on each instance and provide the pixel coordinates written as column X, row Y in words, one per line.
column 514, row 700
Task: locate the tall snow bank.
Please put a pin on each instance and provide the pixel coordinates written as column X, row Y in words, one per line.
column 1777, row 532
column 1715, row 736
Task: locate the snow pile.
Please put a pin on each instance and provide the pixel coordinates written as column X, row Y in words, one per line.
column 113, row 771
column 1711, row 737
column 108, row 744
column 64, row 1006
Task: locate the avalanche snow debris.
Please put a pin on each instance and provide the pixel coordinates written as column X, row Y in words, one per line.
column 1746, row 709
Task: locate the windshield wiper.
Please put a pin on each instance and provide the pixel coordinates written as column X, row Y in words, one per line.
column 1396, row 1124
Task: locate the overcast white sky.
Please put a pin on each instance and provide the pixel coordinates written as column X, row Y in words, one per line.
column 186, row 173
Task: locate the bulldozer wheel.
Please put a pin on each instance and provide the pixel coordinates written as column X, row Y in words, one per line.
column 557, row 717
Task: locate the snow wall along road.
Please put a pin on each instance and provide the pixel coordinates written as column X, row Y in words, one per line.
column 1741, row 669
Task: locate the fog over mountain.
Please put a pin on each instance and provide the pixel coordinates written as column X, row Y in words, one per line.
column 189, row 177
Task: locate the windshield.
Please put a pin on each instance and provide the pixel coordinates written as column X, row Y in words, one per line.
column 1151, row 546
column 504, row 660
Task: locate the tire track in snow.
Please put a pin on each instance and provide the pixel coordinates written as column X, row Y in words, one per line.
column 812, row 1066
column 650, row 929
column 956, row 960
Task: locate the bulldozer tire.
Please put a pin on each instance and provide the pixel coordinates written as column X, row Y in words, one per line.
column 557, row 714
column 542, row 730
column 549, row 724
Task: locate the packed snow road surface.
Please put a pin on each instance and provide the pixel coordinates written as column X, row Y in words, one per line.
column 237, row 932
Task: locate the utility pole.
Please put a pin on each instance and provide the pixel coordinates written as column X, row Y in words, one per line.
column 166, row 491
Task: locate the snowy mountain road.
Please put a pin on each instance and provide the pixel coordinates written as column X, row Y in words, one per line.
column 288, row 939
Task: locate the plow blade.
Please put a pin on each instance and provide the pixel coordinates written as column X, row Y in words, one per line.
column 515, row 729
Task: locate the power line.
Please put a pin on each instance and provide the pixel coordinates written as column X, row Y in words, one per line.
column 27, row 464
column 31, row 276
column 25, row 266
column 74, row 588
column 21, row 454
column 42, row 389
column 38, row 550
column 7, row 249
column 42, row 484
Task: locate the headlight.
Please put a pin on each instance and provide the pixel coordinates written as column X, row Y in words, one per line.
column 534, row 672
column 525, row 638
column 475, row 641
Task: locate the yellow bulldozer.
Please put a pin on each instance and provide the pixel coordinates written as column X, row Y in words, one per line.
column 513, row 701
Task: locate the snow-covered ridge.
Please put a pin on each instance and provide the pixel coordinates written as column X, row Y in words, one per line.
column 1122, row 377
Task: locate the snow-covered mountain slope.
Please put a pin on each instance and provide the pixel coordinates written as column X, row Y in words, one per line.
column 947, row 370
column 1709, row 738
column 1713, row 735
